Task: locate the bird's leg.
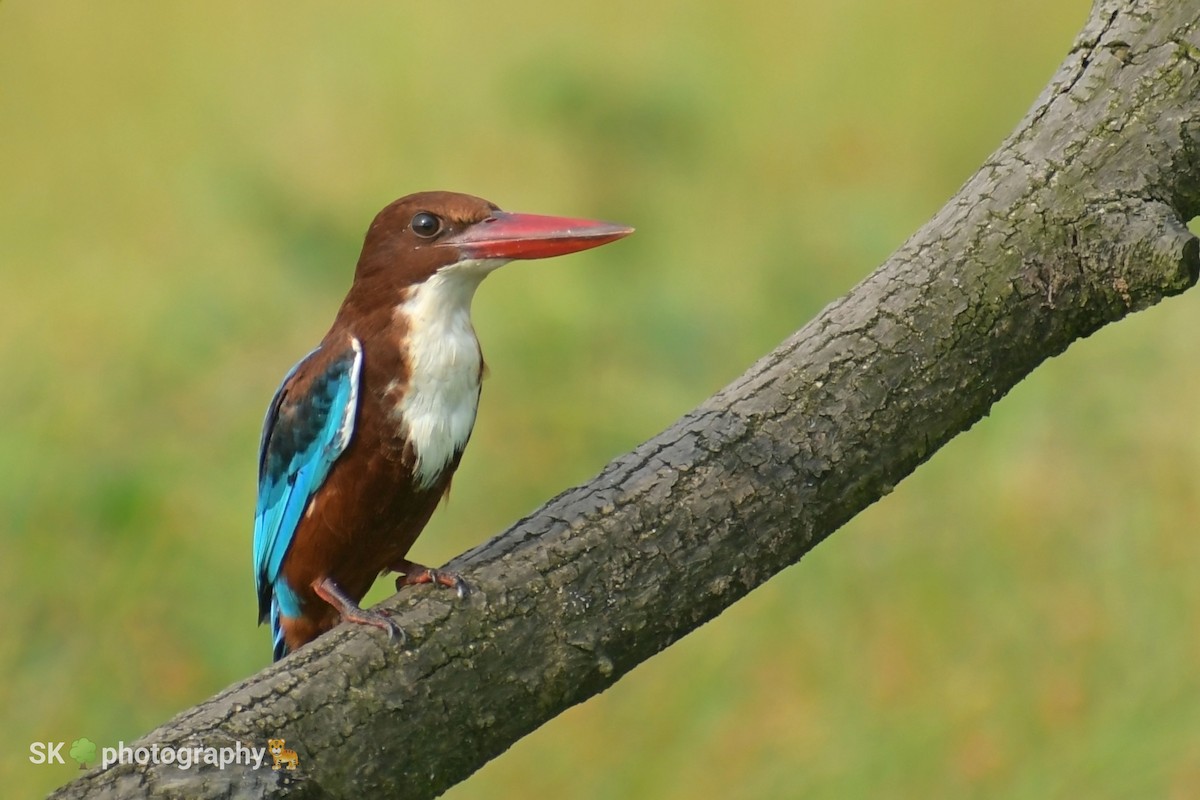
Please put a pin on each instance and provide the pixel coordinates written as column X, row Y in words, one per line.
column 331, row 593
column 414, row 574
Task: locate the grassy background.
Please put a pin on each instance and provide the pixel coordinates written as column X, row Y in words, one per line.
column 183, row 191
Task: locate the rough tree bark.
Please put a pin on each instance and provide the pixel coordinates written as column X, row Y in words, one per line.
column 1077, row 220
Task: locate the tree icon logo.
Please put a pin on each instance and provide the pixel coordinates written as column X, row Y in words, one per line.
column 83, row 750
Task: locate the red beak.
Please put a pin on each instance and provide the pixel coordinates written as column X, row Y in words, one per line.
column 505, row 235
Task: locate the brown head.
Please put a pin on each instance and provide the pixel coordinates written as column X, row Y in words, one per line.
column 420, row 235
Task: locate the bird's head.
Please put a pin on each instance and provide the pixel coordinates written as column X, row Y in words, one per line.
column 463, row 238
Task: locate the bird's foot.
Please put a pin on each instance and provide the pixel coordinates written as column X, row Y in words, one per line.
column 333, row 594
column 414, row 574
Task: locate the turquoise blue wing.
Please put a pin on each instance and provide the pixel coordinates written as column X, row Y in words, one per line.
column 308, row 426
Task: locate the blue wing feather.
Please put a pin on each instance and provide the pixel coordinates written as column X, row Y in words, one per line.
column 303, row 435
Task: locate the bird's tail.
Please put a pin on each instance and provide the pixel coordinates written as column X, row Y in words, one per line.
column 280, row 646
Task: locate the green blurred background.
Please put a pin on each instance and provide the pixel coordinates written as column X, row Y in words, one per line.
column 183, row 192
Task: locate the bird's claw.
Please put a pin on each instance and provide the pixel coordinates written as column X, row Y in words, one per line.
column 459, row 585
column 393, row 628
column 415, row 575
column 333, row 594
column 379, row 619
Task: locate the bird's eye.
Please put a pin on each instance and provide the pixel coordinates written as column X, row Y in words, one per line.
column 426, row 225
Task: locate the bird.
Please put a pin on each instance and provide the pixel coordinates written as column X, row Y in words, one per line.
column 364, row 434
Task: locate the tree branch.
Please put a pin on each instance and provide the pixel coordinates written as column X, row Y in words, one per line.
column 1077, row 220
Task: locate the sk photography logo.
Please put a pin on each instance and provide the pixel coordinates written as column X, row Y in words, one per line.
column 82, row 750
column 182, row 757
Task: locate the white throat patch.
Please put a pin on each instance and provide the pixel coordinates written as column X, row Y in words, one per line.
column 438, row 409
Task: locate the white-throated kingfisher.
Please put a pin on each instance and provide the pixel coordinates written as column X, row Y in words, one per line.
column 361, row 440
